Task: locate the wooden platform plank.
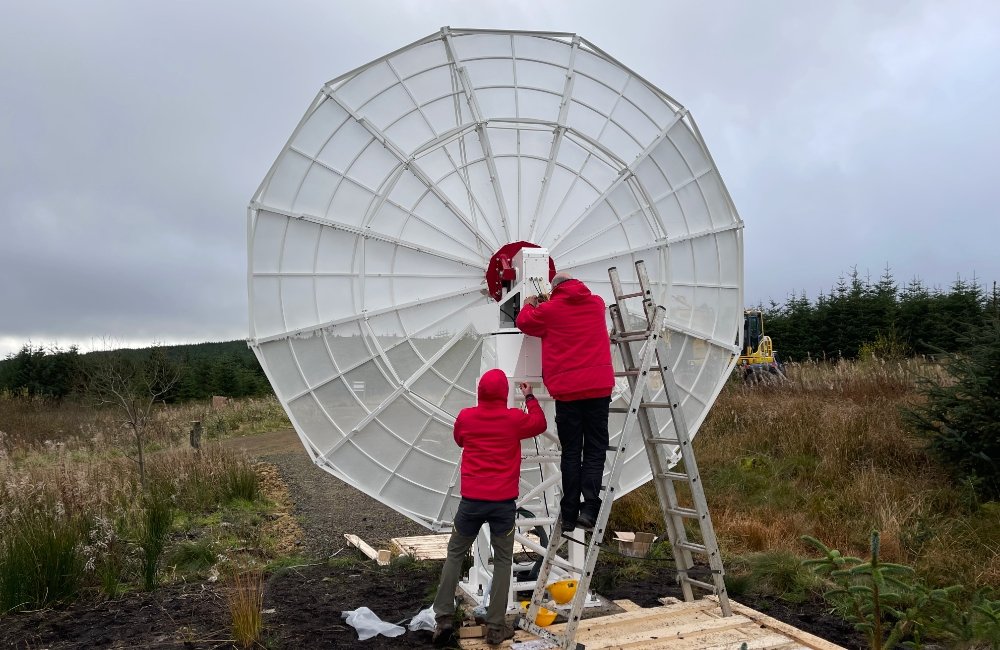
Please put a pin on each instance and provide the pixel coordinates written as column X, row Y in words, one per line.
column 422, row 547
column 633, row 621
column 650, row 625
column 697, row 625
column 715, row 639
column 801, row 636
column 432, row 547
column 773, row 641
column 618, row 638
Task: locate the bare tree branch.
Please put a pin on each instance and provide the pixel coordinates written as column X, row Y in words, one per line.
column 132, row 385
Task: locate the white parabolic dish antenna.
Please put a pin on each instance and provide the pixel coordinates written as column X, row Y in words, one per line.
column 370, row 236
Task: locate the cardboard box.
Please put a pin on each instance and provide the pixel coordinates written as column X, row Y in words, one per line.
column 634, row 544
column 471, row 631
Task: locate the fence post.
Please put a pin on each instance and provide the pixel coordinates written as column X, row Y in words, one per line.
column 196, row 434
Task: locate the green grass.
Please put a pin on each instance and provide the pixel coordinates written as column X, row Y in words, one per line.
column 157, row 517
column 778, row 573
column 283, row 562
column 240, row 482
column 40, row 557
column 192, row 557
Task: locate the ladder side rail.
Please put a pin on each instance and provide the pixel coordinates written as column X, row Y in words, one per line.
column 651, row 309
column 708, row 536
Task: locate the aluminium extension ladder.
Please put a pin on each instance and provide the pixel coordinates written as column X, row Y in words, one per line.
column 638, row 368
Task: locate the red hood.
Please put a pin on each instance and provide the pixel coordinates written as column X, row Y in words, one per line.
column 572, row 290
column 494, row 387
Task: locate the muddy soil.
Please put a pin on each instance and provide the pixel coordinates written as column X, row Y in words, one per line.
column 303, row 604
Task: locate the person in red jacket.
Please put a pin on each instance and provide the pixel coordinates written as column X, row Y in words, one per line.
column 577, row 371
column 490, row 436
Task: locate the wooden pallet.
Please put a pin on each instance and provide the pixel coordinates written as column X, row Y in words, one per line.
column 433, row 547
column 698, row 625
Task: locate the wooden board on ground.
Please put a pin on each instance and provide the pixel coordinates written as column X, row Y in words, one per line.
column 627, row 605
column 433, row 547
column 382, row 557
column 697, row 625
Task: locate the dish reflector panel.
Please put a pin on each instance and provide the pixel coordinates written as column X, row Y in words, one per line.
column 370, row 235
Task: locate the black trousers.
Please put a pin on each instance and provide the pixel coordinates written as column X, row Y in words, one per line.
column 582, row 426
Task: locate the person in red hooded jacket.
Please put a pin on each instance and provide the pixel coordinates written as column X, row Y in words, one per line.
column 490, row 436
column 577, row 371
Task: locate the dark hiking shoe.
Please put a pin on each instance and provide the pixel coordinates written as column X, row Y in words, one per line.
column 444, row 633
column 496, row 635
column 568, row 526
column 586, row 521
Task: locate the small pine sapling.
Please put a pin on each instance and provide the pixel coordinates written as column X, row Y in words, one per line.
column 882, row 599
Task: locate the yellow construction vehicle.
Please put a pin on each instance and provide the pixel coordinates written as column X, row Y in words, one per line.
column 759, row 361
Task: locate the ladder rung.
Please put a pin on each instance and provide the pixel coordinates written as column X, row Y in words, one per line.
column 540, row 632
column 574, row 541
column 690, row 513
column 564, row 565
column 694, row 548
column 626, row 373
column 626, row 296
column 673, row 476
column 664, row 441
column 628, row 338
column 551, row 457
column 643, row 405
column 698, row 583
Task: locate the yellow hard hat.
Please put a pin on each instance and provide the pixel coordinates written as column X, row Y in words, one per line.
column 562, row 592
column 544, row 617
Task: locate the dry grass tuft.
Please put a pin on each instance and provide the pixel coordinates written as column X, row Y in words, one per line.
column 246, row 601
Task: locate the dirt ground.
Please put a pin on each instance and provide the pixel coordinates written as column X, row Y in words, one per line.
column 303, row 604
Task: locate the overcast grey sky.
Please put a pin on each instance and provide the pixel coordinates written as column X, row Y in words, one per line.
column 133, row 134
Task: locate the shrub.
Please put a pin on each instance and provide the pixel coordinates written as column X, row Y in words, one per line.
column 108, row 554
column 961, row 419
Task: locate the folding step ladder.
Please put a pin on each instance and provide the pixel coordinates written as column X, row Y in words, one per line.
column 638, row 368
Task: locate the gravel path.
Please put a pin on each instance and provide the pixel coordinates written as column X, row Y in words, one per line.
column 325, row 506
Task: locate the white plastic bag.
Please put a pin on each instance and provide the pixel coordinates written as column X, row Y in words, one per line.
column 368, row 624
column 425, row 620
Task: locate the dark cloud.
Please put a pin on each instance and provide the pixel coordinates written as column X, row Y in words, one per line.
column 134, row 134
